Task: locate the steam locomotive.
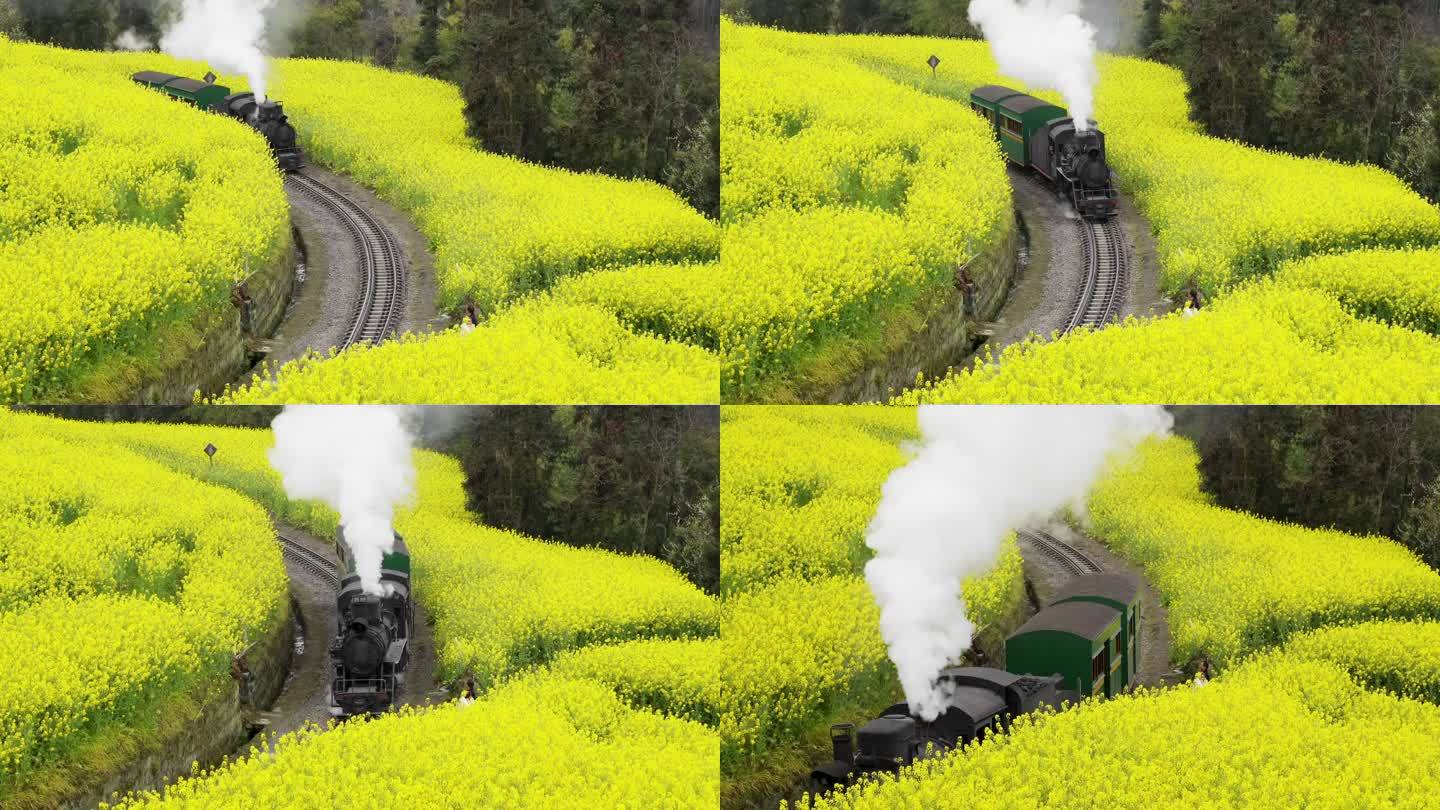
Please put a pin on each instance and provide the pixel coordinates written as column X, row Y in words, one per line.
column 1086, row 639
column 372, row 635
column 266, row 117
column 1037, row 134
column 982, row 701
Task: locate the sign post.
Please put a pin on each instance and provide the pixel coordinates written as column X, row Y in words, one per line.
column 933, row 62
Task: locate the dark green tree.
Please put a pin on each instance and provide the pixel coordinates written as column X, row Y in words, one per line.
column 941, row 18
column 793, row 15
column 1420, row 530
column 427, row 46
column 1416, row 153
column 12, row 24
column 507, row 60
column 633, row 480
column 86, row 24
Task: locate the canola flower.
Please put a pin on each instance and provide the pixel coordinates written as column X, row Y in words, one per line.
column 672, row 676
column 108, row 235
column 798, row 486
column 538, row 352
column 844, row 197
column 1229, row 353
column 1275, row 733
column 1401, row 657
column 502, row 602
column 133, row 584
column 1400, row 287
column 1235, row 584
column 542, row 741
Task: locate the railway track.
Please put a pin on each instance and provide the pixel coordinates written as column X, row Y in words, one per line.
column 311, row 561
column 1069, row 557
column 1107, row 272
column 381, row 302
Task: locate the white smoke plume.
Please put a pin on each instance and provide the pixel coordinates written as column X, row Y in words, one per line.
column 129, row 40
column 980, row 473
column 230, row 35
column 355, row 458
column 1046, row 44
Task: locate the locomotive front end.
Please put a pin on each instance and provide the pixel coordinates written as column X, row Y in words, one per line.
column 1080, row 159
column 370, row 650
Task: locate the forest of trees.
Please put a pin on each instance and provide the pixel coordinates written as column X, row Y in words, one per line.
column 1363, row 470
column 633, row 480
column 1352, row 80
column 627, row 87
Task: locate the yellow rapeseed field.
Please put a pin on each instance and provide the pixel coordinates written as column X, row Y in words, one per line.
column 130, row 582
column 843, row 195
column 124, row 213
column 1275, row 733
column 542, row 741
column 503, row 605
column 1224, row 215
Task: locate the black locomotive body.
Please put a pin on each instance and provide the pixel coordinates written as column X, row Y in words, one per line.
column 266, row 117
column 1037, row 134
column 269, row 119
column 982, row 700
column 371, row 647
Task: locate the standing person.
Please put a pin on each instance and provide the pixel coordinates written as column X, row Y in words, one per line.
column 967, row 288
column 467, row 694
column 1194, row 300
column 471, row 320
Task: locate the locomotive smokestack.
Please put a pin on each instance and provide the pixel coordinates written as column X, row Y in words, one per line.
column 1046, row 44
column 231, row 35
column 982, row 472
column 355, row 458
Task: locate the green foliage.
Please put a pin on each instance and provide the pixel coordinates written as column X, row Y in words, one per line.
column 1235, row 584
column 1312, row 77
column 607, row 85
column 631, row 480
column 1363, row 470
column 1416, row 153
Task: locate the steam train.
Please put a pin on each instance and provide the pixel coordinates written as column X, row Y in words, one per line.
column 372, row 635
column 1042, row 136
column 266, row 117
column 1087, row 640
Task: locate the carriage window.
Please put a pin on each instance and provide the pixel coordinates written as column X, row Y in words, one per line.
column 1013, row 127
column 1097, row 666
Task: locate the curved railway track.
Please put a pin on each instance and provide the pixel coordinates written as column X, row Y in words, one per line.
column 311, row 561
column 1107, row 272
column 1069, row 557
column 381, row 302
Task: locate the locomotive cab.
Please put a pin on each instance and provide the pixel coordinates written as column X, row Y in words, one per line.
column 1077, row 165
column 269, row 119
